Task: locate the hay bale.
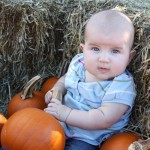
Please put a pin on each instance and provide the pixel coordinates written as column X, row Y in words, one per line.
column 38, row 37
column 27, row 44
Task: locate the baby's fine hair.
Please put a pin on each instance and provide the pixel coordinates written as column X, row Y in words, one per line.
column 111, row 19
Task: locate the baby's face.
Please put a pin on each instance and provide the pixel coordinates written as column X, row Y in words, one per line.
column 106, row 54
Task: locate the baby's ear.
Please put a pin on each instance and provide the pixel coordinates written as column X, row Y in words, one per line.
column 132, row 55
column 82, row 46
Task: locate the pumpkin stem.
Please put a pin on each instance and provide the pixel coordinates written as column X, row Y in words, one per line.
column 27, row 91
column 140, row 145
column 56, row 94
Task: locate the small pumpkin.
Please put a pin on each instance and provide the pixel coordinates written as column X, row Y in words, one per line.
column 119, row 141
column 3, row 120
column 32, row 129
column 28, row 97
column 48, row 84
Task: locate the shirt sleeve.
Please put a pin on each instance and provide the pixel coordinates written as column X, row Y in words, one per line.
column 122, row 90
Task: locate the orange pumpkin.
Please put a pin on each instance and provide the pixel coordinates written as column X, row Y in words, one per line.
column 29, row 97
column 3, row 120
column 48, row 84
column 119, row 141
column 32, row 129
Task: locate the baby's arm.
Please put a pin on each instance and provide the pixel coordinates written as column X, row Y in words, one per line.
column 60, row 86
column 97, row 119
column 94, row 119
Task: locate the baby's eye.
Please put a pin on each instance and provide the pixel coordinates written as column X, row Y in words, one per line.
column 115, row 51
column 95, row 49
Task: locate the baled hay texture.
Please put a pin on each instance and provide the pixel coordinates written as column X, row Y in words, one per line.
column 27, row 44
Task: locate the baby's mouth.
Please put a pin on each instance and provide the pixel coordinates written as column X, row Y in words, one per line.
column 103, row 70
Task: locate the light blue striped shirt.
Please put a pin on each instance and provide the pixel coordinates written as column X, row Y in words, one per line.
column 85, row 96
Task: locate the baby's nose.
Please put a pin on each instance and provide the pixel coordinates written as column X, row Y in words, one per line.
column 103, row 57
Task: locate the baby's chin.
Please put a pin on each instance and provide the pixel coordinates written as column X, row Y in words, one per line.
column 106, row 77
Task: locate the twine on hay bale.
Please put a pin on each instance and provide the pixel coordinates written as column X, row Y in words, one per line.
column 39, row 37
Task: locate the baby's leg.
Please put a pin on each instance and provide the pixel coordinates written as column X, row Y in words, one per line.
column 73, row 144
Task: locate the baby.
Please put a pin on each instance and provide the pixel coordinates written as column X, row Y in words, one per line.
column 98, row 90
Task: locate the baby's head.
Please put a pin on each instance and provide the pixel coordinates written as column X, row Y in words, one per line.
column 109, row 37
column 108, row 22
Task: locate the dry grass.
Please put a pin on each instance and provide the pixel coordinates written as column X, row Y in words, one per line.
column 37, row 37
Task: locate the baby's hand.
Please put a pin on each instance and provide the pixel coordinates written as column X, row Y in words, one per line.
column 48, row 97
column 59, row 111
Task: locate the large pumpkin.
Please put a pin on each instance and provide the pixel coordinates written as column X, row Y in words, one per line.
column 2, row 122
column 48, row 84
column 32, row 129
column 28, row 97
column 119, row 141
